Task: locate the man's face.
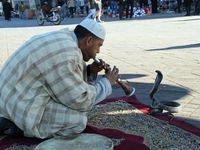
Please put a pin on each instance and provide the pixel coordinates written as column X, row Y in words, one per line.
column 92, row 48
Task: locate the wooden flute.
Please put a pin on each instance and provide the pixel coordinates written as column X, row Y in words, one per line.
column 129, row 91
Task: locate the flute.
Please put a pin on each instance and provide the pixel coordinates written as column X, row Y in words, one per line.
column 129, row 91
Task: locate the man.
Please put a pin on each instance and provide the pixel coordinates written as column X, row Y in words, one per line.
column 98, row 10
column 121, row 9
column 179, row 5
column 21, row 9
column 129, row 3
column 196, row 7
column 188, row 4
column 45, row 86
column 95, row 10
column 71, row 5
column 7, row 8
column 154, row 4
column 45, row 9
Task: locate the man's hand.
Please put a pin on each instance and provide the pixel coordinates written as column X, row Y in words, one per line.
column 112, row 75
column 97, row 67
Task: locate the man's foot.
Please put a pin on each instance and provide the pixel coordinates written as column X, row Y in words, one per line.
column 100, row 21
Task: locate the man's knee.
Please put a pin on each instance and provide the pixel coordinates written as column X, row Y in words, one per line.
column 73, row 130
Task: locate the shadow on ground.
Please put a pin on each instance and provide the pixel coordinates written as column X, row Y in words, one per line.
column 196, row 45
column 195, row 19
column 165, row 92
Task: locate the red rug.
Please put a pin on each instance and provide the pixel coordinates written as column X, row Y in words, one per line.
column 121, row 140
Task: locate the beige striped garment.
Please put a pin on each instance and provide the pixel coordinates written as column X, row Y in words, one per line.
column 43, row 86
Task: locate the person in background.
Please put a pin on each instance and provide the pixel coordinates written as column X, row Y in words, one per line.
column 179, row 5
column 121, row 9
column 87, row 6
column 188, row 4
column 81, row 6
column 129, row 7
column 45, row 9
column 98, row 10
column 7, row 8
column 154, row 6
column 197, row 7
column 92, row 9
column 143, row 3
column 95, row 10
column 60, row 3
column 62, row 8
column 71, row 6
column 17, row 8
column 21, row 10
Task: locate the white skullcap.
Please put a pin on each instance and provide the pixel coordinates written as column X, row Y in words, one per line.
column 94, row 27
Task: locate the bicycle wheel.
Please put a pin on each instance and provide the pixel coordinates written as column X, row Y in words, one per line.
column 40, row 20
column 56, row 19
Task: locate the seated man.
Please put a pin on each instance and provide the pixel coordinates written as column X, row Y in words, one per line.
column 46, row 88
column 45, row 9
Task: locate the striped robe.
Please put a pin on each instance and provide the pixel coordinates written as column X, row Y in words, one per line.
column 43, row 86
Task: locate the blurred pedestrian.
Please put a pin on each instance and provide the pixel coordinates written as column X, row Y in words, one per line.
column 98, row 10
column 21, row 10
column 45, row 9
column 129, row 7
column 121, row 8
column 60, row 3
column 81, row 6
column 197, row 7
column 95, row 10
column 154, row 5
column 188, row 4
column 87, row 6
column 143, row 3
column 92, row 9
column 7, row 8
column 179, row 3
column 71, row 6
column 17, row 8
column 112, row 8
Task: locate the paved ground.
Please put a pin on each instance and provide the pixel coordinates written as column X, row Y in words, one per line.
column 166, row 42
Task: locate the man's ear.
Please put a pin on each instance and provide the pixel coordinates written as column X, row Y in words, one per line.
column 88, row 40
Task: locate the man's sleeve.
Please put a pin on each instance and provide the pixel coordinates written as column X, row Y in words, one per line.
column 66, row 82
column 103, row 89
column 102, row 86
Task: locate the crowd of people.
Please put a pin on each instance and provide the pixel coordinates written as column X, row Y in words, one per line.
column 72, row 8
column 18, row 10
column 126, row 8
column 112, row 8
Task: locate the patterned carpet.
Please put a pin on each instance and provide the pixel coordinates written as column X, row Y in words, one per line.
column 127, row 123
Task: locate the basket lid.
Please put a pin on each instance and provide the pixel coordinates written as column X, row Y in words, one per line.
column 84, row 141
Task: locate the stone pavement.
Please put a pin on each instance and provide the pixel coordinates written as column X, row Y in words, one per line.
column 166, row 42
